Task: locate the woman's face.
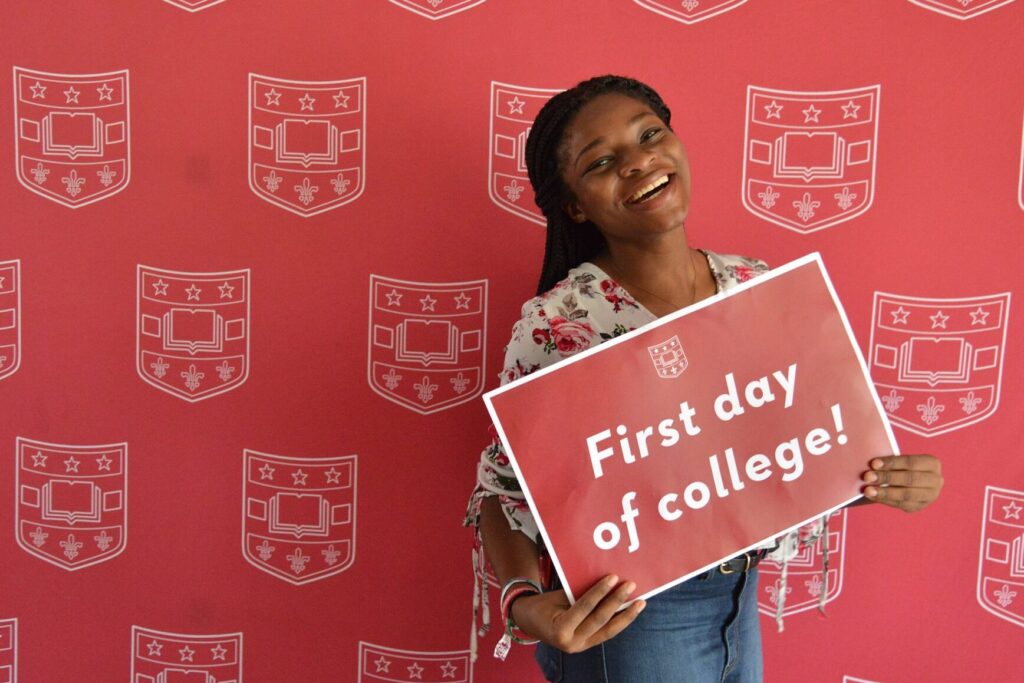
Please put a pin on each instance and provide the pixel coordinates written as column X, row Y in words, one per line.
column 627, row 172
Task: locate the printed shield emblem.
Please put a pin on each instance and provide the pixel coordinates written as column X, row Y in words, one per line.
column 193, row 331
column 669, row 358
column 307, row 142
column 193, row 5
column 162, row 657
column 803, row 579
column 1001, row 561
column 299, row 515
column 513, row 109
column 72, row 502
column 71, row 140
column 437, row 9
column 379, row 663
column 961, row 9
column 10, row 319
column 809, row 160
column 690, row 11
column 427, row 342
column 8, row 651
column 937, row 363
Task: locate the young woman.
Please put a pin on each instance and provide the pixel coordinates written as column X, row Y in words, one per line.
column 613, row 182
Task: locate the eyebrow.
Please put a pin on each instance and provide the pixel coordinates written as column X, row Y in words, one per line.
column 597, row 141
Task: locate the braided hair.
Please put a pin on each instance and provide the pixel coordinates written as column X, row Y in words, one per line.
column 569, row 244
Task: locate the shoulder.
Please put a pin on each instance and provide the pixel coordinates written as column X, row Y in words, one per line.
column 730, row 270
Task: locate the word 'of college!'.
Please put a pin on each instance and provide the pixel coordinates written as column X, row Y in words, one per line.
column 788, row 455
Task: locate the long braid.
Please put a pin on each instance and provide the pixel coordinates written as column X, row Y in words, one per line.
column 569, row 244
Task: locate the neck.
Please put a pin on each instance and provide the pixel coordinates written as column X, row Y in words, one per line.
column 663, row 267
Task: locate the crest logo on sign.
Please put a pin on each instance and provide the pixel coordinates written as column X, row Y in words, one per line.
column 71, row 141
column 803, row 578
column 513, row 109
column 937, row 363
column 192, row 337
column 690, row 11
column 10, row 317
column 961, row 9
column 299, row 515
column 437, row 9
column 307, row 142
column 9, row 650
column 71, row 502
column 669, row 358
column 193, row 5
column 379, row 663
column 163, row 657
column 809, row 157
column 1001, row 561
column 427, row 342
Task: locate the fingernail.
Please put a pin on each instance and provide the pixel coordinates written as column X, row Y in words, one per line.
column 870, row 477
column 612, row 580
column 630, row 587
column 876, row 464
column 871, row 492
column 641, row 604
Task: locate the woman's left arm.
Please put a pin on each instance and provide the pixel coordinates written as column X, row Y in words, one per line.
column 907, row 482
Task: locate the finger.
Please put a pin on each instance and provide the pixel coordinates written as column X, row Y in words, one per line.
column 587, row 603
column 617, row 624
column 905, row 462
column 900, row 496
column 605, row 611
column 912, row 478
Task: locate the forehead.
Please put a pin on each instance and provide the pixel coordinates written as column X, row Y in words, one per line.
column 603, row 116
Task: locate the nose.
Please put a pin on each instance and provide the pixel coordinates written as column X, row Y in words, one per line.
column 635, row 161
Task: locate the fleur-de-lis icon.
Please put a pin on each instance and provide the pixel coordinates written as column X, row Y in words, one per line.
column 969, row 403
column 426, row 389
column 806, row 206
column 892, row 401
column 459, row 383
column 306, row 191
column 513, row 190
column 192, row 377
column 769, row 195
column 773, row 591
column 71, row 547
column 265, row 550
column 106, row 175
column 930, row 410
column 298, row 561
column 391, row 379
column 39, row 173
column 272, row 181
column 845, row 198
column 331, row 554
column 340, row 184
column 39, row 537
column 73, row 183
column 159, row 367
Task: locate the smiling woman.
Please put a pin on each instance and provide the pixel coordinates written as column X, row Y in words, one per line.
column 613, row 182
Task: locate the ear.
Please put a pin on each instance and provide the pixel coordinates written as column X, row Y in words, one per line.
column 573, row 210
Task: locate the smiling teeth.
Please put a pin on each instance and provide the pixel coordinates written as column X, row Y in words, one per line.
column 635, row 197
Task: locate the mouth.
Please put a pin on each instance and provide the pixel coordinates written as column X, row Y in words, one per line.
column 649, row 191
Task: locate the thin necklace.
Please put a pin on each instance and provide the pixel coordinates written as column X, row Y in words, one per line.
column 674, row 305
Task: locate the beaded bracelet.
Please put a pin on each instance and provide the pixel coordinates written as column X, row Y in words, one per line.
column 514, row 588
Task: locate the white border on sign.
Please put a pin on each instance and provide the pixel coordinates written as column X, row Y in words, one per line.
column 814, row 258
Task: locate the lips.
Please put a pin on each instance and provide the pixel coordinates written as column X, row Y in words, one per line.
column 649, row 190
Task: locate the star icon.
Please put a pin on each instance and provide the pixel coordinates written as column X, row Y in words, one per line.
column 104, row 462
column 382, row 664
column 160, row 288
column 1012, row 510
column 333, row 476
column 415, row 670
column 186, row 653
column 774, row 110
column 515, row 106
column 448, row 670
column 39, row 459
column 899, row 316
column 428, row 303
column 979, row 317
column 273, row 97
column 939, row 320
column 266, row 472
column 341, row 99
column 104, row 91
column 394, row 298
column 307, row 102
column 71, row 465
column 850, row 110
column 462, row 301
column 38, row 90
column 811, row 114
column 72, row 95
column 226, row 290
column 155, row 648
column 219, row 652
column 299, row 478
column 193, row 292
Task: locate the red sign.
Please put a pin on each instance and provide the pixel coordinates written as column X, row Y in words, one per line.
column 768, row 427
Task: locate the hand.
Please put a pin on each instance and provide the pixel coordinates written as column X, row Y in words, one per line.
column 590, row 621
column 907, row 482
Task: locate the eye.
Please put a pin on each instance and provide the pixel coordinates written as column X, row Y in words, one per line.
column 650, row 134
column 597, row 164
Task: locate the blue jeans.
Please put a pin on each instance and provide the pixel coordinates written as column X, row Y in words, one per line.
column 704, row 630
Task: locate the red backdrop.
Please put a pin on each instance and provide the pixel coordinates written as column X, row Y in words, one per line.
column 260, row 259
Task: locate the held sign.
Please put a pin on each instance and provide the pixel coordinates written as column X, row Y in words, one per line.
column 767, row 425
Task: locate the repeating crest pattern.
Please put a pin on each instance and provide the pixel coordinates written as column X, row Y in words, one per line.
column 380, row 663
column 427, row 341
column 961, row 9
column 71, row 134
column 1001, row 557
column 809, row 157
column 299, row 515
column 803, row 580
column 8, row 651
column 192, row 338
column 193, row 5
column 513, row 109
column 689, row 11
column 669, row 358
column 163, row 657
column 437, row 9
column 937, row 363
column 72, row 502
column 307, row 142
column 10, row 317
